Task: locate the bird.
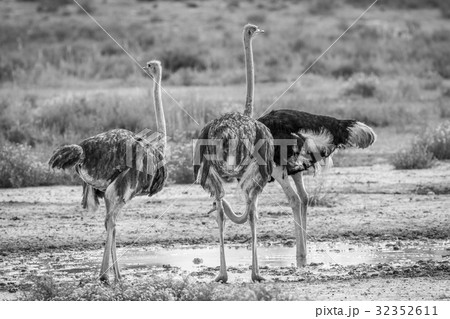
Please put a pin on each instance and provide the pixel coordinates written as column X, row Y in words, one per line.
column 309, row 140
column 118, row 165
column 236, row 146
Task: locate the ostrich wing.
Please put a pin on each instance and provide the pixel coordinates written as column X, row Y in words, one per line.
column 316, row 136
column 109, row 154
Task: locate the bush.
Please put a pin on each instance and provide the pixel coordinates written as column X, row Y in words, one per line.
column 441, row 60
column 51, row 5
column 416, row 157
column 256, row 18
column 178, row 58
column 437, row 141
column 19, row 167
column 179, row 164
column 322, row 7
column 344, row 71
column 433, row 144
column 362, row 85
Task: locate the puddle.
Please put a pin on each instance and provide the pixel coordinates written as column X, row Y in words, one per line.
column 198, row 259
column 191, row 258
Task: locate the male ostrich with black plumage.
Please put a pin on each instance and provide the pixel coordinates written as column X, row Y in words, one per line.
column 118, row 165
column 315, row 138
column 244, row 151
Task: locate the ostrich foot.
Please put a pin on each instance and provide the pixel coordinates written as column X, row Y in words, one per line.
column 301, row 262
column 221, row 278
column 257, row 278
column 104, row 279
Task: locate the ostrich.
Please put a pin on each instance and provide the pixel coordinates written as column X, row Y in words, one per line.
column 246, row 152
column 315, row 138
column 118, row 165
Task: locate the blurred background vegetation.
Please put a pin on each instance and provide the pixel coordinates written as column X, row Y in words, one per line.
column 63, row 79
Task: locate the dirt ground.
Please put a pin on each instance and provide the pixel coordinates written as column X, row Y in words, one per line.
column 357, row 204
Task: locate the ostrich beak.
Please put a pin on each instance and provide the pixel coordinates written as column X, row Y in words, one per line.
column 145, row 68
column 259, row 31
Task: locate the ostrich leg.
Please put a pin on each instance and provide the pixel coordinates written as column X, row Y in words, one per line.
column 222, row 276
column 114, row 256
column 294, row 202
column 251, row 206
column 105, row 263
column 112, row 210
column 300, row 220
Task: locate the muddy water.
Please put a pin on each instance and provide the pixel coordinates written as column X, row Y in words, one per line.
column 189, row 258
column 203, row 258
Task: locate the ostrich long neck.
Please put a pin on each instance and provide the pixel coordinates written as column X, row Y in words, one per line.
column 160, row 120
column 250, row 76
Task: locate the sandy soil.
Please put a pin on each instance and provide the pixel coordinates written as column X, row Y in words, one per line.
column 358, row 204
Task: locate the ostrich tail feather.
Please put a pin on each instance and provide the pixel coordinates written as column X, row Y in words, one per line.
column 90, row 199
column 67, row 157
column 361, row 135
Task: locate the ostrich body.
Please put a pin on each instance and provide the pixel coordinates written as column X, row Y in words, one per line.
column 315, row 139
column 242, row 140
column 103, row 163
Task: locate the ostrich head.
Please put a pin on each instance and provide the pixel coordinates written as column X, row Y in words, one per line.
column 153, row 68
column 250, row 30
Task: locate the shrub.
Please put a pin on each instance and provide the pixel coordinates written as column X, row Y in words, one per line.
column 51, row 5
column 433, row 144
column 362, row 85
column 437, row 141
column 179, row 164
column 416, row 157
column 322, row 7
column 19, row 167
column 441, row 60
column 256, row 18
column 344, row 71
column 177, row 58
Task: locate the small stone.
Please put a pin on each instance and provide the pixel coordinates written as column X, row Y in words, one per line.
column 197, row 261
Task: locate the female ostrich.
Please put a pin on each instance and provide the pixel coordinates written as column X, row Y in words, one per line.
column 244, row 151
column 118, row 165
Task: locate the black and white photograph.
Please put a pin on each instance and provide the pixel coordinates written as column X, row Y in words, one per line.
column 207, row 150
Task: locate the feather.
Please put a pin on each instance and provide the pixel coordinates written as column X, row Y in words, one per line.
column 316, row 137
column 361, row 135
column 91, row 197
column 67, row 156
column 201, row 163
